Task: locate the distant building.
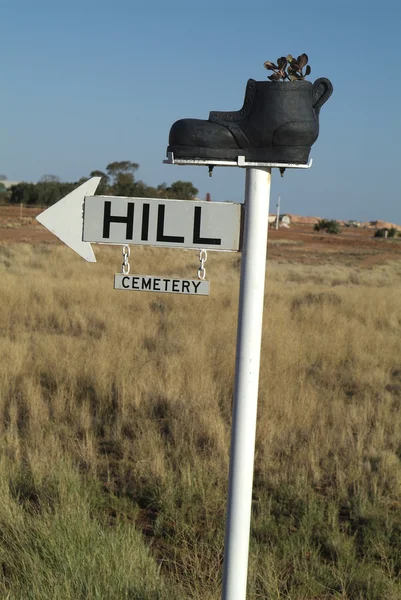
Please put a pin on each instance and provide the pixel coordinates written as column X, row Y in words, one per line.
column 284, row 220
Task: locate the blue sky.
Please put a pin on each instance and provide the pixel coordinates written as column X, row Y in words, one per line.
column 90, row 82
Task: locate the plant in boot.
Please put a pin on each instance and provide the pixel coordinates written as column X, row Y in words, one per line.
column 289, row 68
column 278, row 121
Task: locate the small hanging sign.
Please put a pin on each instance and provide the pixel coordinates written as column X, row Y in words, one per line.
column 151, row 283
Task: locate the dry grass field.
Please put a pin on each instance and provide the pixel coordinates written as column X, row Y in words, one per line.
column 115, row 413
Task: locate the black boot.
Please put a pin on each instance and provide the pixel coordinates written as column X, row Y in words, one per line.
column 278, row 123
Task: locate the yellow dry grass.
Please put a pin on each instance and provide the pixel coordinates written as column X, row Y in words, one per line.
column 136, row 388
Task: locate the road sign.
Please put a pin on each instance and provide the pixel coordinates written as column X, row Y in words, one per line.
column 168, row 223
column 80, row 218
column 150, row 283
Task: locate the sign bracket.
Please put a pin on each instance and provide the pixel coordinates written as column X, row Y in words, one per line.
column 240, row 162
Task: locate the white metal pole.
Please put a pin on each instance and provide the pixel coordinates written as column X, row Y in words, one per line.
column 278, row 211
column 249, row 335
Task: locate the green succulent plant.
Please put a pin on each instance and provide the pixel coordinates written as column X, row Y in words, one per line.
column 289, row 68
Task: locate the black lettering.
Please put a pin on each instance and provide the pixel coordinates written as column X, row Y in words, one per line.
column 196, row 285
column 146, row 284
column 129, row 220
column 135, row 283
column 156, row 281
column 185, row 285
column 166, row 282
column 175, row 285
column 160, row 228
column 197, row 226
column 123, row 284
column 145, row 223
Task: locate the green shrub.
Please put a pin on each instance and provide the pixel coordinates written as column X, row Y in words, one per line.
column 392, row 232
column 329, row 226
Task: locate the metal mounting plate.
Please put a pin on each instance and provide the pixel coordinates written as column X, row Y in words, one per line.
column 240, row 162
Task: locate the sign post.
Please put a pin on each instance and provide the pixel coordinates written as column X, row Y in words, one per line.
column 278, row 212
column 247, row 364
column 246, row 385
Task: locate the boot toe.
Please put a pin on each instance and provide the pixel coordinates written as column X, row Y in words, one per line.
column 201, row 134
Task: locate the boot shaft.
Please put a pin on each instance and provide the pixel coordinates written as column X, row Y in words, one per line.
column 270, row 109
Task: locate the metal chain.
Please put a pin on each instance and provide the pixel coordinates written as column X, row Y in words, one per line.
column 125, row 266
column 202, row 260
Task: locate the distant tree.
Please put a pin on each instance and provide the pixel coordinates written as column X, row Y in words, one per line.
column 49, row 179
column 124, row 185
column 123, row 167
column 118, row 180
column 162, row 190
column 183, row 190
column 3, row 177
column 4, row 197
column 24, row 193
column 52, row 191
column 4, row 194
column 42, row 193
column 150, row 192
column 142, row 190
column 101, row 174
column 121, row 174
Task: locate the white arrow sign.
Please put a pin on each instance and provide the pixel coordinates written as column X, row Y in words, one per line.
column 81, row 218
column 65, row 219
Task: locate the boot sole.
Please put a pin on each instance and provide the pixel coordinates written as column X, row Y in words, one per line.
column 277, row 154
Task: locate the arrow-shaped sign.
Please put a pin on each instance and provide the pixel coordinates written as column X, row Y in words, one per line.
column 65, row 218
column 81, row 218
